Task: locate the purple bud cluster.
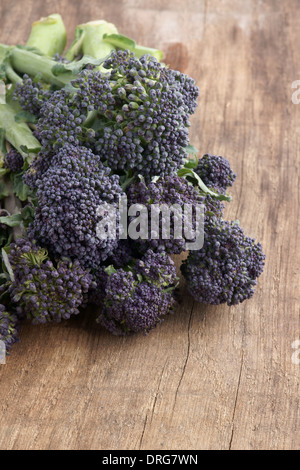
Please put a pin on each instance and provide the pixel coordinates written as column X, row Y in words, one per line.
column 226, row 268
column 31, row 96
column 69, row 194
column 14, row 161
column 40, row 164
column 147, row 129
column 9, row 327
column 138, row 298
column 171, row 191
column 157, row 268
column 215, row 172
column 42, row 291
column 61, row 121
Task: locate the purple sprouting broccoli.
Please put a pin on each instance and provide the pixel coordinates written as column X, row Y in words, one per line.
column 226, row 268
column 156, row 268
column 69, row 195
column 136, row 115
column 171, row 191
column 148, row 125
column 122, row 254
column 40, row 164
column 215, row 172
column 9, row 327
column 44, row 291
column 14, row 161
column 139, row 297
column 31, row 95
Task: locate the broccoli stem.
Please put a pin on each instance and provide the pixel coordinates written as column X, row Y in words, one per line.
column 12, row 76
column 48, row 35
column 13, row 206
column 18, row 134
column 25, row 61
column 89, row 40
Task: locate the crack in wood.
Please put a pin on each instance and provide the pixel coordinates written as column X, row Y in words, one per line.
column 187, row 356
column 236, row 399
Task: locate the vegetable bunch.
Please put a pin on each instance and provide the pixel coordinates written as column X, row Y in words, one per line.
column 83, row 129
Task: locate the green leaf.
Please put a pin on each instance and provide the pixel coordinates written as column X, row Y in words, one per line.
column 25, row 116
column 11, row 220
column 123, row 42
column 4, row 188
column 21, row 190
column 120, row 41
column 155, row 179
column 27, row 214
column 3, row 171
column 7, row 264
column 188, row 172
column 110, row 270
column 191, row 150
column 28, row 150
column 76, row 66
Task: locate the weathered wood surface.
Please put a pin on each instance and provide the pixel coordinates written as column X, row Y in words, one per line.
column 209, row 377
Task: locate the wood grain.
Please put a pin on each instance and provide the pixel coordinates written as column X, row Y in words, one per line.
column 209, row 377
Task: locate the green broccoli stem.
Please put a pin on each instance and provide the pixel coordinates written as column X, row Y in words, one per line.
column 12, row 76
column 25, row 61
column 17, row 134
column 48, row 35
column 13, row 206
column 89, row 40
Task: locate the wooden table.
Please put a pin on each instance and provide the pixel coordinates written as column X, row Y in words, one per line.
column 209, row 377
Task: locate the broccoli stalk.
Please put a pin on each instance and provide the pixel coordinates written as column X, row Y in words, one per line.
column 98, row 39
column 26, row 61
column 89, row 40
column 48, row 35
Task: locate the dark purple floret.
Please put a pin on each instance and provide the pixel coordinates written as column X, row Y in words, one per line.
column 142, row 110
column 157, row 268
column 40, row 164
column 69, row 195
column 136, row 298
column 122, row 254
column 9, row 328
column 171, row 191
column 44, row 291
column 226, row 268
column 133, row 306
column 215, row 172
column 148, row 128
column 14, row 161
column 31, row 96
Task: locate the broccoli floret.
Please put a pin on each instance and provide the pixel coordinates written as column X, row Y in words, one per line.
column 140, row 111
column 226, row 268
column 41, row 163
column 14, row 161
column 148, row 126
column 44, row 291
column 31, row 95
column 9, row 327
column 215, row 172
column 156, row 268
column 69, row 194
column 171, row 190
column 138, row 298
column 122, row 254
